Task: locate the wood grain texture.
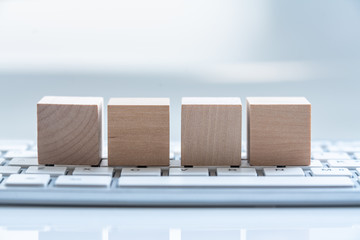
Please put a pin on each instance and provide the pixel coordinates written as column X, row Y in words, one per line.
column 278, row 131
column 69, row 130
column 138, row 131
column 211, row 131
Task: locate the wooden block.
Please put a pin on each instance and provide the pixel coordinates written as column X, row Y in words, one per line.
column 69, row 130
column 211, row 131
column 279, row 131
column 138, row 131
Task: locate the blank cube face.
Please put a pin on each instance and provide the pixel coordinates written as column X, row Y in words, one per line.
column 211, row 131
column 138, row 132
column 279, row 131
column 69, row 130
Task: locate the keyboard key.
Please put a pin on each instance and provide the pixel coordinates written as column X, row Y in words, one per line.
column 289, row 171
column 261, row 182
column 315, row 163
column 333, row 148
column 236, row 172
column 52, row 171
column 344, row 163
column 94, row 171
column 349, row 149
column 153, row 171
column 317, row 149
column 28, row 180
column 357, row 156
column 321, row 143
column 330, row 172
column 9, row 169
column 2, row 160
column 83, row 181
column 23, row 162
column 358, row 171
column 348, row 143
column 331, row 155
column 188, row 172
column 21, row 154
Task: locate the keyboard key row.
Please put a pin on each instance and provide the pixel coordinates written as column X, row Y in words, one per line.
column 331, row 156
column 21, row 154
column 42, row 180
column 344, row 163
column 261, row 182
column 154, row 171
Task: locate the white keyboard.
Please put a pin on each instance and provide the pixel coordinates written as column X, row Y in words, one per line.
column 332, row 179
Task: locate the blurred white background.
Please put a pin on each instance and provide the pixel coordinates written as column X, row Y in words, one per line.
column 176, row 48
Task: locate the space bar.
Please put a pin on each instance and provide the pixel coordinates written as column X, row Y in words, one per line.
column 241, row 182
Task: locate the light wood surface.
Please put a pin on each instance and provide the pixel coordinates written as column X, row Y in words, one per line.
column 278, row 131
column 211, row 131
column 138, row 131
column 69, row 130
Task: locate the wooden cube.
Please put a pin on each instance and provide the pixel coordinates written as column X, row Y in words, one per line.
column 211, row 131
column 69, row 130
column 138, row 131
column 279, row 131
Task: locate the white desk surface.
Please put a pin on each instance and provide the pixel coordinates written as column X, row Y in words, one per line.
column 45, row 223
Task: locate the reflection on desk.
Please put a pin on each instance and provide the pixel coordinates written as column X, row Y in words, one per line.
column 179, row 224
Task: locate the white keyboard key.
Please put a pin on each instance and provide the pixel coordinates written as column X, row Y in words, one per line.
column 315, row 163
column 344, row 163
column 358, row 171
column 188, row 172
column 28, row 180
column 349, row 143
column 320, row 143
column 24, row 162
column 357, row 156
column 333, row 148
column 261, row 182
column 2, row 160
column 9, row 169
column 53, row 171
column 288, row 171
column 317, row 149
column 331, row 155
column 330, row 172
column 0, row 176
column 21, row 154
column 94, row 171
column 153, row 171
column 236, row 172
column 83, row 181
column 350, row 149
